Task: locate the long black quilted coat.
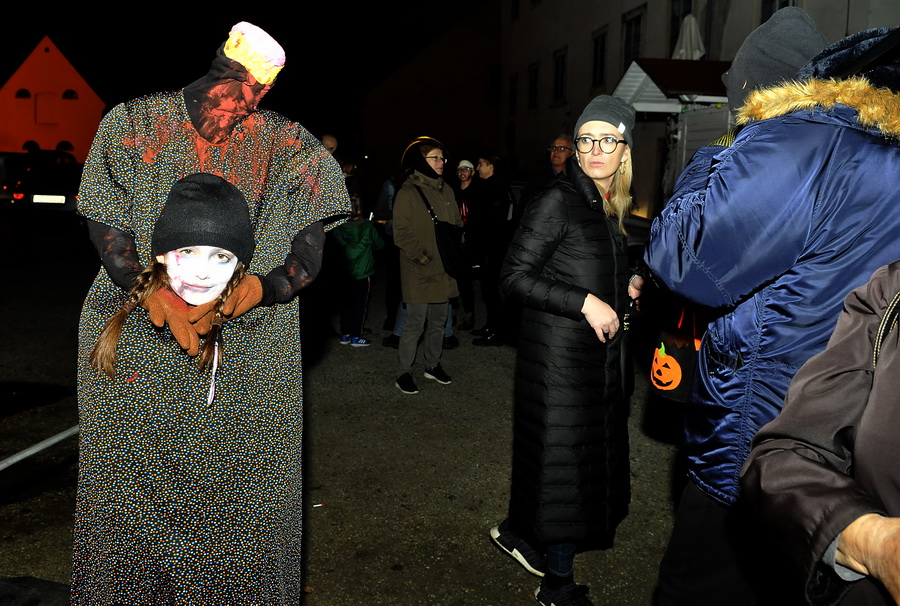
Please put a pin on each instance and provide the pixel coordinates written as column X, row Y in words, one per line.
column 570, row 471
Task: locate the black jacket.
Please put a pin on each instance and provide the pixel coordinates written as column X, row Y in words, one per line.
column 570, row 476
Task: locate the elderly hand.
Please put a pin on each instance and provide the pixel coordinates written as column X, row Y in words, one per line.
column 871, row 545
column 602, row 318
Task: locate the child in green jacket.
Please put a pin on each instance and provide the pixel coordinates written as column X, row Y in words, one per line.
column 357, row 240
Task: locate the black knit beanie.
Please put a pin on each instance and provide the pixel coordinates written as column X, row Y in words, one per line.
column 614, row 110
column 774, row 52
column 205, row 210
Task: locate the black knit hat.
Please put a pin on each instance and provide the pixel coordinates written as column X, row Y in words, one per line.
column 205, row 210
column 614, row 110
column 774, row 52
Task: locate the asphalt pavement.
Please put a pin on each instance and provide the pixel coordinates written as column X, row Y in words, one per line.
column 399, row 490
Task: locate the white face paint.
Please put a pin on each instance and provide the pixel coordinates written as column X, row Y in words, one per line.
column 199, row 274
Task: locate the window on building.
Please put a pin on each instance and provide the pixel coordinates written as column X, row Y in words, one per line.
column 559, row 76
column 598, row 52
column 768, row 8
column 680, row 10
column 23, row 93
column 633, row 34
column 533, row 86
column 69, row 94
column 513, row 94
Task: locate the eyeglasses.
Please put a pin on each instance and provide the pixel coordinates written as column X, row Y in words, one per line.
column 608, row 144
column 464, row 169
column 436, row 158
column 559, row 148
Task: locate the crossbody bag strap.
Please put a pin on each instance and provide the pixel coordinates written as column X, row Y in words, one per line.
column 427, row 205
column 887, row 324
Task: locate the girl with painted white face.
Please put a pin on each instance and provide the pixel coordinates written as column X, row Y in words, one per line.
column 199, row 274
column 202, row 243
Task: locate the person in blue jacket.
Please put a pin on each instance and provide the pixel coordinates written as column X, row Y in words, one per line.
column 773, row 231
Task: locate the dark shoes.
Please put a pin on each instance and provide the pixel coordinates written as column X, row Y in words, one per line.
column 491, row 339
column 391, row 340
column 451, row 342
column 481, row 332
column 530, row 558
column 567, row 595
column 437, row 374
column 406, row 384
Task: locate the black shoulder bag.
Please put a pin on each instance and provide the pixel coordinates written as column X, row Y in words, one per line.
column 449, row 242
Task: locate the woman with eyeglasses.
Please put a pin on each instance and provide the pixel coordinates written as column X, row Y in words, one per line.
column 568, row 268
column 426, row 287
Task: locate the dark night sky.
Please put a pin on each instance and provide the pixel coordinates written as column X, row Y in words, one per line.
column 334, row 49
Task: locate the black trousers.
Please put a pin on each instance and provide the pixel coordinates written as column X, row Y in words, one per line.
column 723, row 555
column 356, row 302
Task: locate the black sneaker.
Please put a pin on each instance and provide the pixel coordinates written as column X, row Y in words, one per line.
column 391, row 340
column 406, row 384
column 451, row 342
column 530, row 558
column 437, row 374
column 567, row 595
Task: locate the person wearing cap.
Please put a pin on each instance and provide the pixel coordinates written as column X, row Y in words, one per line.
column 773, row 231
column 163, row 525
column 465, row 191
column 567, row 266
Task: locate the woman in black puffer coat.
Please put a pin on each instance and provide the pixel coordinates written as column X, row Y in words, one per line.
column 568, row 268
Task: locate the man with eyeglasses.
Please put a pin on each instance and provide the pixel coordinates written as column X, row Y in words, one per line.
column 561, row 149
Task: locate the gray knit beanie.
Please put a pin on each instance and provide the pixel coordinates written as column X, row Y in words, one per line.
column 774, row 52
column 614, row 110
column 205, row 210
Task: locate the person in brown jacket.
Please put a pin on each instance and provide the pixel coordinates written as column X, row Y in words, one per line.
column 426, row 287
column 824, row 473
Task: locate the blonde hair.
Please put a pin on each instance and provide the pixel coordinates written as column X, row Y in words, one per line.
column 619, row 202
column 148, row 282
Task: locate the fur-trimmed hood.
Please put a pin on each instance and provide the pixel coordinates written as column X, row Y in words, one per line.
column 878, row 108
